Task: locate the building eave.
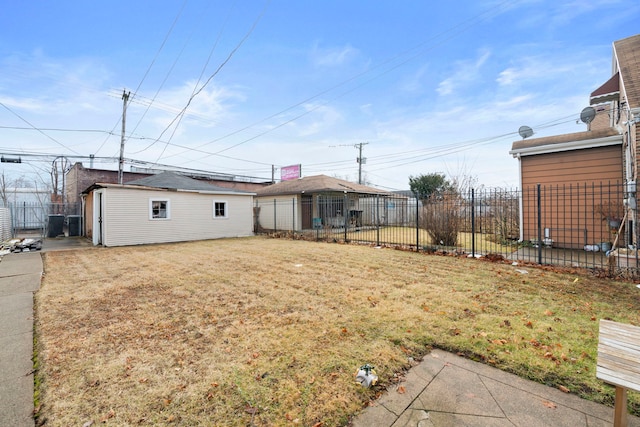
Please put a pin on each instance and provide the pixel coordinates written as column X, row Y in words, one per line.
column 567, row 146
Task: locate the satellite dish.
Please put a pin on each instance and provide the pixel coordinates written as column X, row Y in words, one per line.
column 525, row 132
column 587, row 115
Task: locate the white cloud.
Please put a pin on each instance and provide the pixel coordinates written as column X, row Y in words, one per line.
column 322, row 118
column 333, row 56
column 465, row 72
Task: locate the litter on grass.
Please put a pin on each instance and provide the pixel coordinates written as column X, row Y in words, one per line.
column 366, row 376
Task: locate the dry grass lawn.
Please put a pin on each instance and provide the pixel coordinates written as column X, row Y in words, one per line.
column 407, row 236
column 261, row 331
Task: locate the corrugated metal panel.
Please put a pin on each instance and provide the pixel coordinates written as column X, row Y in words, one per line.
column 127, row 222
column 5, row 224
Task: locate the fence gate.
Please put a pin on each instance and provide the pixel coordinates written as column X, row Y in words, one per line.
column 29, row 217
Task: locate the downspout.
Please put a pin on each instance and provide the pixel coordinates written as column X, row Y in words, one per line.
column 633, row 116
column 520, row 201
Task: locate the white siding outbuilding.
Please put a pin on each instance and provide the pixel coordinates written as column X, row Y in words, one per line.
column 165, row 208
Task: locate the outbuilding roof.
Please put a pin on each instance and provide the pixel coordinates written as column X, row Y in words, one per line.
column 174, row 181
column 567, row 141
column 171, row 181
column 317, row 184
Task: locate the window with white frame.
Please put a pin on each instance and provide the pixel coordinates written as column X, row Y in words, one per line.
column 159, row 209
column 220, row 209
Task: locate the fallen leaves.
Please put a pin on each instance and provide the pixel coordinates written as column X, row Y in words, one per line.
column 108, row 416
column 251, row 410
column 548, row 404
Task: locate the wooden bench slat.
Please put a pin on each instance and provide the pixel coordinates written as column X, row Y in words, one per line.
column 613, row 342
column 613, row 378
column 619, row 354
column 628, row 332
column 608, row 356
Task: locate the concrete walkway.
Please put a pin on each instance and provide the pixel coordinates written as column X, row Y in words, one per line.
column 20, row 276
column 446, row 390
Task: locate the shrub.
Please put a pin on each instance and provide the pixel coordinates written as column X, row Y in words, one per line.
column 442, row 218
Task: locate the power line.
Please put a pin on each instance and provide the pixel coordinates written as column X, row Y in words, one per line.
column 463, row 26
column 199, row 90
column 37, row 129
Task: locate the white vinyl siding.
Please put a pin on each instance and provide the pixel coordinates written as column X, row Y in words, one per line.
column 127, row 212
column 276, row 212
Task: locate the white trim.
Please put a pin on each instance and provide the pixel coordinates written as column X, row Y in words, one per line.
column 168, row 208
column 567, row 146
column 226, row 209
column 521, row 201
column 98, row 223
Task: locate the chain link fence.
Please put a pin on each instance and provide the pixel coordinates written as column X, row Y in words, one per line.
column 588, row 225
column 36, row 219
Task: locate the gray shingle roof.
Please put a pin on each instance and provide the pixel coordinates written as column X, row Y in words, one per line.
column 317, row 184
column 173, row 181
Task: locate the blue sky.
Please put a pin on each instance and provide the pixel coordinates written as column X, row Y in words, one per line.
column 428, row 86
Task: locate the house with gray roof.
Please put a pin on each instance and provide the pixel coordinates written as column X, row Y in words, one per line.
column 322, row 201
column 164, row 208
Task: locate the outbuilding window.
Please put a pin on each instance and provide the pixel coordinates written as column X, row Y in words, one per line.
column 220, row 209
column 159, row 209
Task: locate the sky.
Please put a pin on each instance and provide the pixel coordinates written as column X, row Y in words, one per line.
column 251, row 86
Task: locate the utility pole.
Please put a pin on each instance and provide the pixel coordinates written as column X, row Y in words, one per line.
column 360, row 160
column 125, row 99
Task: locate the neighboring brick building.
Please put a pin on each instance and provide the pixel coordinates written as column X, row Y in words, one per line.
column 80, row 178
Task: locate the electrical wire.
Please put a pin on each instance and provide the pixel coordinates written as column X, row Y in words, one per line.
column 412, row 52
column 37, row 129
column 220, row 67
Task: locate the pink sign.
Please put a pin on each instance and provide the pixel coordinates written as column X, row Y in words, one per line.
column 288, row 173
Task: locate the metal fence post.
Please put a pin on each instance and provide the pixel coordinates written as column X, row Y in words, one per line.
column 345, row 214
column 275, row 227
column 293, row 205
column 417, row 224
column 377, row 220
column 539, row 209
column 473, row 224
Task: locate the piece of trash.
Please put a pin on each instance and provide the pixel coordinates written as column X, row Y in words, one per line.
column 298, row 265
column 366, row 376
column 522, row 271
column 638, row 286
column 514, row 263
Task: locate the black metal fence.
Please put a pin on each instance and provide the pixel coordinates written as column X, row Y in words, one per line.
column 587, row 225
